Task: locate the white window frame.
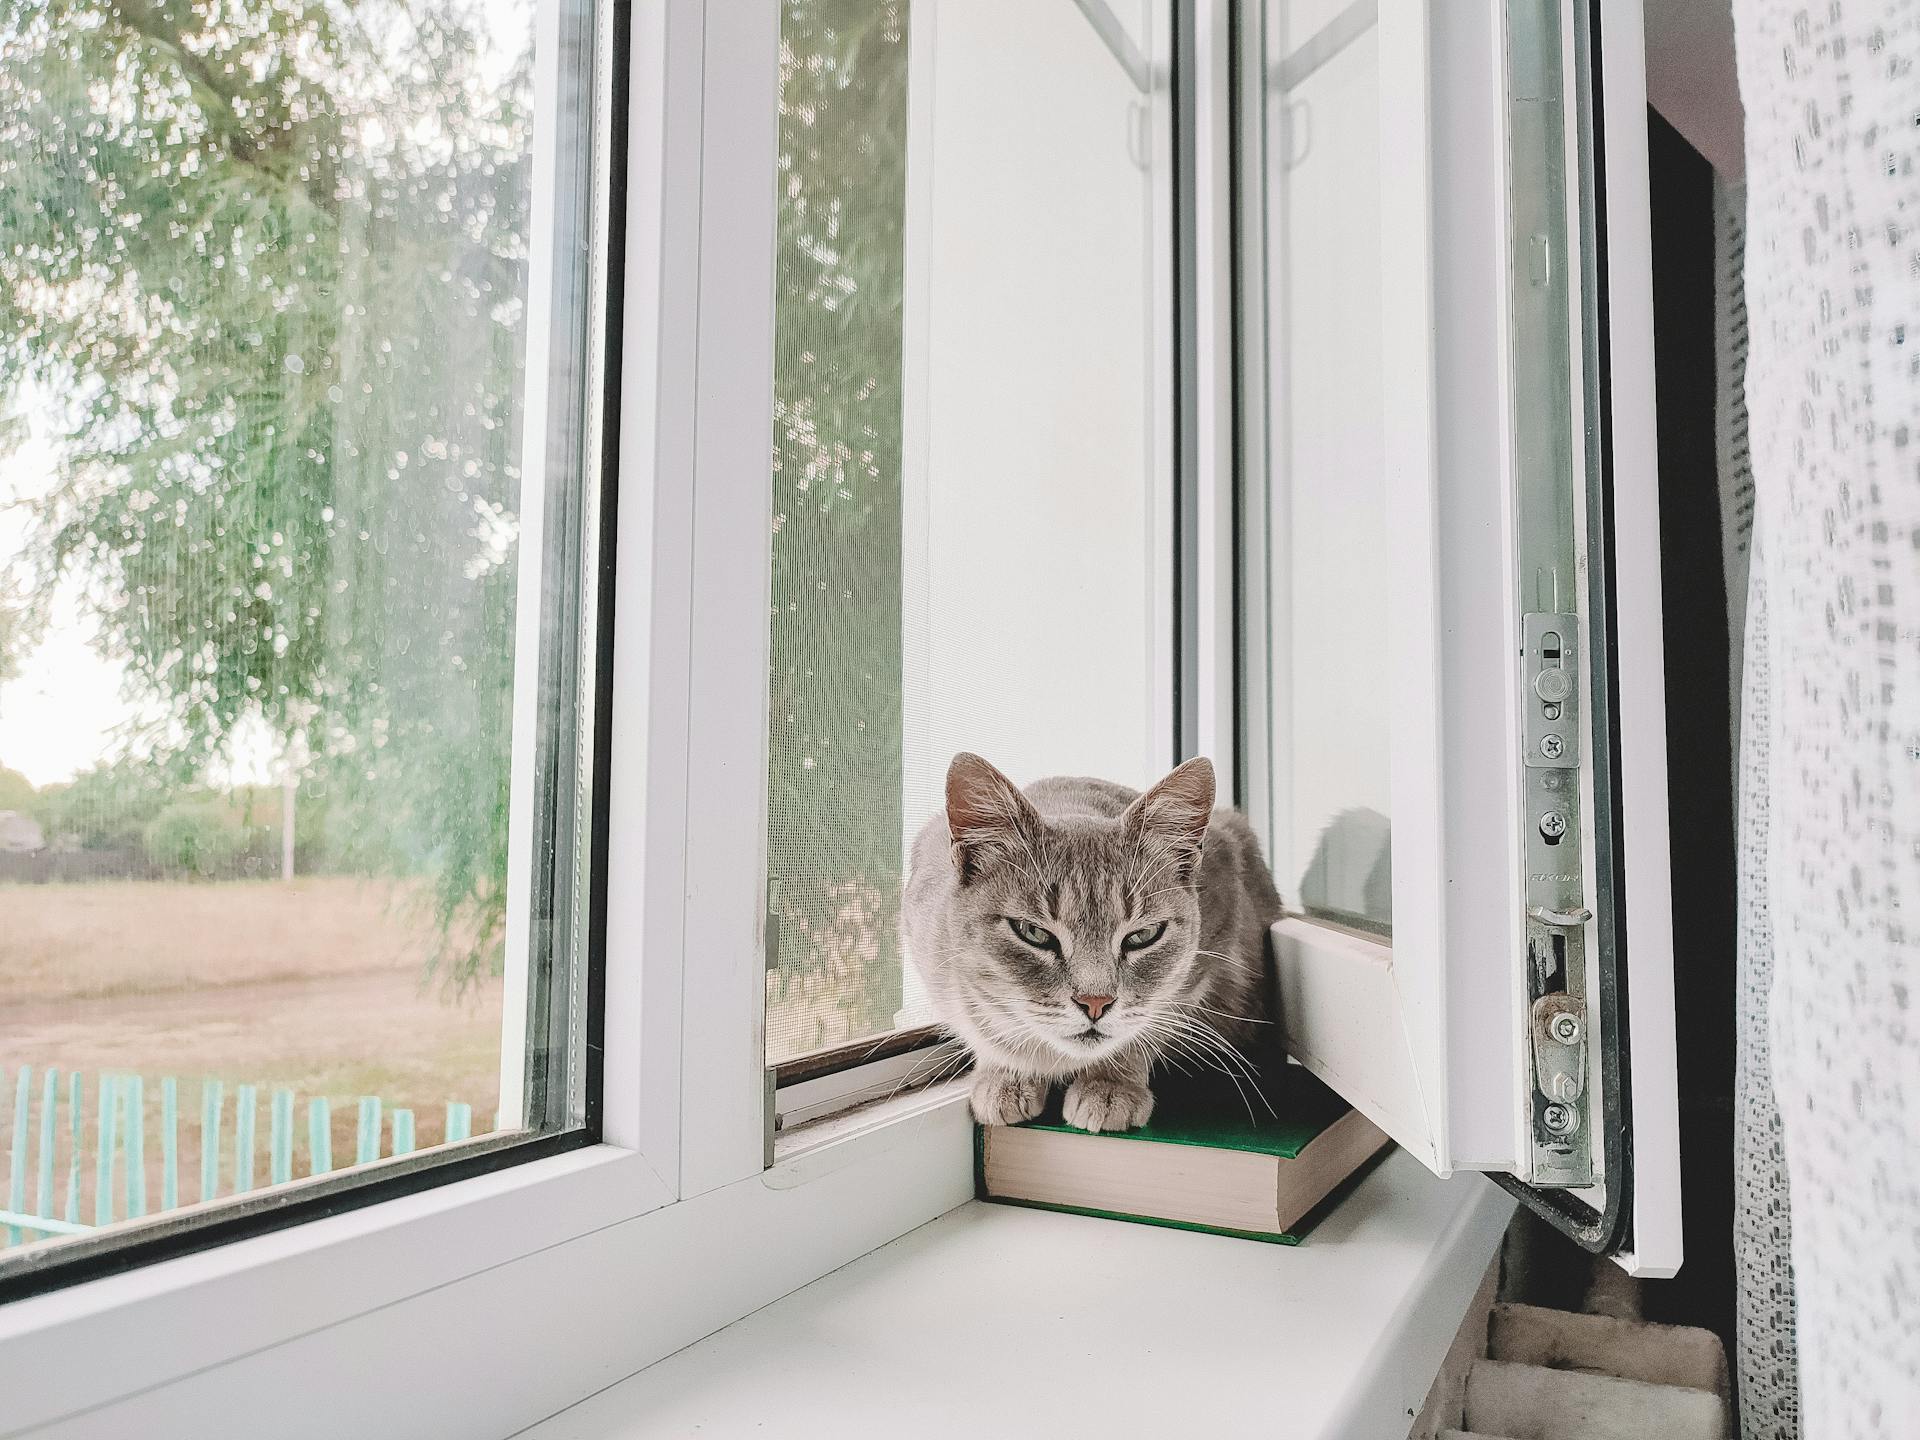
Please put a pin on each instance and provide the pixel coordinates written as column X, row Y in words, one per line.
column 1150, row 70
column 532, row 1286
column 1395, row 1066
column 1435, row 1051
column 536, row 1284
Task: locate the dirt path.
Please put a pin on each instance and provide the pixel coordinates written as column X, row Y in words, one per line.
column 320, row 986
column 342, row 1036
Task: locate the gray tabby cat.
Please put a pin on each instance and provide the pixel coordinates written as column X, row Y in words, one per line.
column 1085, row 932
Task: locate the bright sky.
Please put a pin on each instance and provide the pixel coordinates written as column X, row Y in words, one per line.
column 60, row 715
column 63, row 712
column 57, row 716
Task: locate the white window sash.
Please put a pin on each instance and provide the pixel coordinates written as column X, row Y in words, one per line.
column 1427, row 1032
column 537, row 1282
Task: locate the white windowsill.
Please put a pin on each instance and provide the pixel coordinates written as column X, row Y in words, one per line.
column 1000, row 1321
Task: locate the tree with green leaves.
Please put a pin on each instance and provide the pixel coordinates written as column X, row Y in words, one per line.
column 261, row 266
column 834, row 824
column 17, row 792
column 20, row 626
column 262, row 262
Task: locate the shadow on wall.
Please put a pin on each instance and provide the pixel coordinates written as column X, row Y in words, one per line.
column 1350, row 877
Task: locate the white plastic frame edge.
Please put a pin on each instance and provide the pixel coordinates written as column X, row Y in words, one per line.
column 1394, row 1068
column 520, row 1340
column 235, row 1296
column 1653, row 1065
column 575, row 1235
column 1214, row 591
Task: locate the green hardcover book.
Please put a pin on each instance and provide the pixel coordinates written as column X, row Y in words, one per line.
column 1201, row 1163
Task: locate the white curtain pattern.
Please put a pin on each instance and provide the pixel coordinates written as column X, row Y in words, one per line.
column 1762, row 1221
column 1831, row 759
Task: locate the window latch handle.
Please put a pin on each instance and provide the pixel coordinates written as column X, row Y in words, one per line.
column 1560, row 919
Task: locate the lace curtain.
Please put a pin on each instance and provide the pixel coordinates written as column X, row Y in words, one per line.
column 1762, row 1225
column 1830, row 750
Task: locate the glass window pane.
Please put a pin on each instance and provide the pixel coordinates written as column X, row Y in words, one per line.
column 298, row 481
column 971, row 480
column 1327, row 486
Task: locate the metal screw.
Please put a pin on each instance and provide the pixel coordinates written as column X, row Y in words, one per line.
column 1558, row 1118
column 1552, row 746
column 1553, row 824
column 1565, row 1028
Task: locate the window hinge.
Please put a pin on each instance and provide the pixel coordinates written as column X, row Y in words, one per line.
column 1556, row 909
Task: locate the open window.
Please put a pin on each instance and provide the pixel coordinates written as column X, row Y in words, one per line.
column 1453, row 659
column 973, row 482
column 298, row 913
column 991, row 282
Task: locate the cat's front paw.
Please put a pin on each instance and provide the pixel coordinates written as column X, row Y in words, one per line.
column 1097, row 1105
column 1003, row 1098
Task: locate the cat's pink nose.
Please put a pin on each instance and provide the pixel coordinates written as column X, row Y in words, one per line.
column 1094, row 1005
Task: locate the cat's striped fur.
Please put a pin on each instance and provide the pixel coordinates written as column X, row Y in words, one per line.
column 1094, row 868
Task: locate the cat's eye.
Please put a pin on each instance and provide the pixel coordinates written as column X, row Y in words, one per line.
column 1035, row 935
column 1143, row 937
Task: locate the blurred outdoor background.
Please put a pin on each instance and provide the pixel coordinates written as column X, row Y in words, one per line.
column 263, row 318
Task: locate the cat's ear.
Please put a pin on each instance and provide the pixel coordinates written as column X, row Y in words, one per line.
column 1174, row 814
column 988, row 819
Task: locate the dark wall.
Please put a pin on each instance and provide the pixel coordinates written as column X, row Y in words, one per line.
column 1699, row 733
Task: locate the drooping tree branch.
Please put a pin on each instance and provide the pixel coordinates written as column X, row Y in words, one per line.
column 215, row 99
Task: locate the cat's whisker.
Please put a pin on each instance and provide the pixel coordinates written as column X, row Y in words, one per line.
column 875, row 1046
column 949, row 1067
column 1172, row 857
column 1240, row 1089
column 937, row 1058
column 943, row 1059
column 1171, row 1023
column 1199, row 1032
column 1228, row 1063
column 1180, row 1045
column 1162, row 1041
column 1224, row 1014
column 1185, row 1046
column 1173, row 1064
column 1166, row 1058
column 996, row 1027
column 1210, row 1035
column 1232, row 960
column 914, row 1080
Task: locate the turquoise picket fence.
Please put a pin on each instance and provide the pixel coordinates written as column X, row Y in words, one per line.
column 80, row 1160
